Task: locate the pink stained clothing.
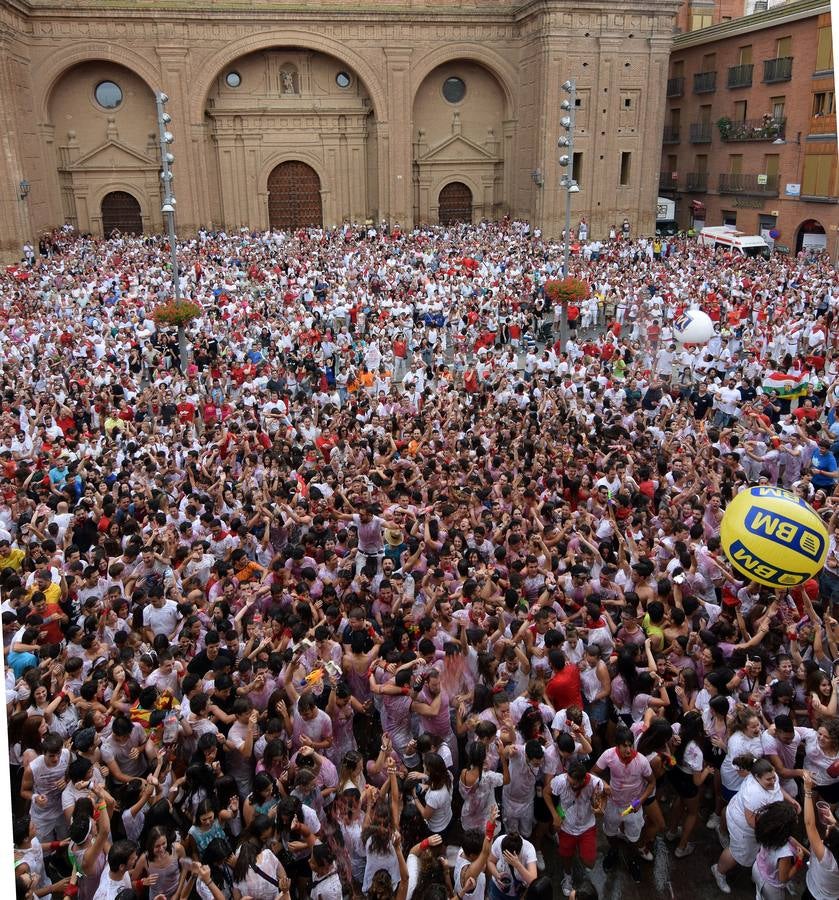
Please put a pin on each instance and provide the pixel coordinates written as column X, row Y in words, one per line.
column 627, row 780
column 318, row 729
column 343, row 739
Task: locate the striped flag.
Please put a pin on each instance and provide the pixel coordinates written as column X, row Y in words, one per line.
column 785, row 385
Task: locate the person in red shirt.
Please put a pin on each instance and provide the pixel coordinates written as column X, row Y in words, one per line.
column 186, row 412
column 563, row 690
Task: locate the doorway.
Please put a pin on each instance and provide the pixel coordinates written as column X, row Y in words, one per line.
column 121, row 212
column 294, row 199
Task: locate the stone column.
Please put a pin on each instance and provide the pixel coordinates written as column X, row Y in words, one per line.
column 395, row 175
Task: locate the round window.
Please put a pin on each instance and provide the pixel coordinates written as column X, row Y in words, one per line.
column 343, row 80
column 233, row 79
column 108, row 94
column 454, row 89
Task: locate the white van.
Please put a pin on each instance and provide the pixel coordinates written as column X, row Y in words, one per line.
column 733, row 240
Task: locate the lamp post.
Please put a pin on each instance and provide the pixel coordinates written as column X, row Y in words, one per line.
column 566, row 160
column 168, row 208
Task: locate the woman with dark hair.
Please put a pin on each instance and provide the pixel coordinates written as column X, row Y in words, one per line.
column 257, row 872
column 262, row 799
column 477, row 784
column 687, row 777
column 760, row 787
column 163, row 859
column 654, row 743
column 206, row 828
column 297, row 828
column 777, row 859
column 433, row 798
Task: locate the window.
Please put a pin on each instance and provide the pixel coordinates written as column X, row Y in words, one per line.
column 343, row 80
column 626, row 166
column 777, row 104
column 729, row 218
column 709, row 62
column 740, row 109
column 701, row 163
column 675, row 119
column 744, row 57
column 824, row 50
column 770, row 166
column 627, row 102
column 701, row 20
column 233, row 79
column 735, row 164
column 817, row 175
column 108, row 94
column 454, row 89
column 577, row 169
column 824, row 103
column 705, row 115
column 678, row 69
column 783, row 48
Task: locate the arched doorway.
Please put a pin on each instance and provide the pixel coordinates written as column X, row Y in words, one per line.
column 121, row 212
column 294, row 196
column 455, row 203
column 811, row 234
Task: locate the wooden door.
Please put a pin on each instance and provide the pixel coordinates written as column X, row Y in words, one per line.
column 294, row 196
column 121, row 212
column 455, row 203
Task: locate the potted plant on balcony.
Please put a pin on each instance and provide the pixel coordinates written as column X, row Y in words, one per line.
column 724, row 126
column 179, row 313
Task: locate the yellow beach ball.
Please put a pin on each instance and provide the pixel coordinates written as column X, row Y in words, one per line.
column 773, row 537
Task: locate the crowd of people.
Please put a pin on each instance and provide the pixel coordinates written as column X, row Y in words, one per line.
column 403, row 582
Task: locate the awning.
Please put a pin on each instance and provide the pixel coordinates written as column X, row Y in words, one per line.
column 697, row 206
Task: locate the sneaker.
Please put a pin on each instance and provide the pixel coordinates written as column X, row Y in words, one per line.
column 724, row 839
column 540, row 861
column 610, row 860
column 722, row 884
column 674, row 834
column 682, row 852
column 634, row 868
column 646, row 855
column 714, row 821
column 567, row 885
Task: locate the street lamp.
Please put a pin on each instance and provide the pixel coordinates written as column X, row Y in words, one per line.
column 566, row 160
column 166, row 176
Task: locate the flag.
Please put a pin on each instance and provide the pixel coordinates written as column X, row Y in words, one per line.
column 784, row 385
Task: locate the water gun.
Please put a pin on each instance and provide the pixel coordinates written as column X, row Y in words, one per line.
column 313, row 678
column 633, row 807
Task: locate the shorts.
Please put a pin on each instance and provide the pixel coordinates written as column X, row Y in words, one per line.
column 617, row 825
column 585, row 844
column 598, row 712
column 683, row 783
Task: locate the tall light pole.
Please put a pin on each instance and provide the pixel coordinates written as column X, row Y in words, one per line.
column 566, row 160
column 168, row 208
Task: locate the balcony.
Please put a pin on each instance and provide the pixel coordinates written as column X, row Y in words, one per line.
column 823, row 124
column 704, row 82
column 763, row 129
column 700, row 133
column 750, row 185
column 671, row 134
column 697, row 182
column 675, row 86
column 775, row 70
column 740, row 76
column 667, row 181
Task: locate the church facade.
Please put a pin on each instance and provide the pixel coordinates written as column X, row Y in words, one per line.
column 287, row 114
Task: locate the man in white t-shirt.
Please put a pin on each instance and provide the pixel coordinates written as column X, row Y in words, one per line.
column 122, row 857
column 512, row 864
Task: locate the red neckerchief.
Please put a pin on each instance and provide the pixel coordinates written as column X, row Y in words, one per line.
column 630, row 760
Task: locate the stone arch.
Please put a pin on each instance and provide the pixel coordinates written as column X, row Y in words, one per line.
column 210, row 68
column 450, row 178
column 127, row 185
column 493, row 62
column 122, row 210
column 314, row 163
column 808, row 226
column 56, row 66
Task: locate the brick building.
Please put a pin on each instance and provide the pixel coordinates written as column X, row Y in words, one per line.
column 287, row 112
column 696, row 14
column 750, row 128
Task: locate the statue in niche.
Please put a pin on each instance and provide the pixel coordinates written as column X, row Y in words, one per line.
column 287, row 80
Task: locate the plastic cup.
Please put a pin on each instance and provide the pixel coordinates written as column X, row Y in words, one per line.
column 824, row 811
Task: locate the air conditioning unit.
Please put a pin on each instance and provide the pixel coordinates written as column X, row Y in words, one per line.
column 760, row 6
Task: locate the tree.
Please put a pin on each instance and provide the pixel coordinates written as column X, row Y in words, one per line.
column 179, row 313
